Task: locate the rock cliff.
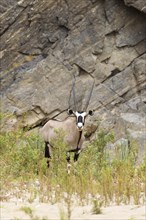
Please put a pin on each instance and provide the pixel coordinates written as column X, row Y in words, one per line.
column 44, row 43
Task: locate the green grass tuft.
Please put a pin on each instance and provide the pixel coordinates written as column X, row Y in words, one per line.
column 27, row 210
column 23, row 169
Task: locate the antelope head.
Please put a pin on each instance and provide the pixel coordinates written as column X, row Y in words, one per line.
column 80, row 117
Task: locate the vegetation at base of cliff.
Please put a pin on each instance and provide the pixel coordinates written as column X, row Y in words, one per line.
column 98, row 177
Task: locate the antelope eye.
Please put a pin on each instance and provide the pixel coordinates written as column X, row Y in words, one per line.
column 70, row 111
column 91, row 112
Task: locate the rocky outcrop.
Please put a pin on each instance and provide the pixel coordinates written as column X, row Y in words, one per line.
column 44, row 43
column 139, row 4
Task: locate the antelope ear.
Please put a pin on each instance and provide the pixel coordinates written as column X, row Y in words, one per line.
column 91, row 112
column 70, row 111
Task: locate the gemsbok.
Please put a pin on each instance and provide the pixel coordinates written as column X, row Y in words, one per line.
column 72, row 127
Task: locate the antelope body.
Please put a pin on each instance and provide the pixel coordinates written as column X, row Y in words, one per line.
column 72, row 128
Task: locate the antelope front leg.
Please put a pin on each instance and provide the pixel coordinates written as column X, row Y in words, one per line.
column 68, row 162
column 76, row 156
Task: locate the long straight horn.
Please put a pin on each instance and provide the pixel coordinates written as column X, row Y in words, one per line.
column 73, row 92
column 90, row 94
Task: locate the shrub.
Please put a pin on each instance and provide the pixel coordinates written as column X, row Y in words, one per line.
column 23, row 166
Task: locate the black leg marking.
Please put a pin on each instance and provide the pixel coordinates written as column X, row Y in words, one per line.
column 68, row 157
column 76, row 156
column 47, row 151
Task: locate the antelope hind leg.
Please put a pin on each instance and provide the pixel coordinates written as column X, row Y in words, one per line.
column 47, row 153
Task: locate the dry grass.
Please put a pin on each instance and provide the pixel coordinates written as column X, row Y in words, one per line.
column 97, row 180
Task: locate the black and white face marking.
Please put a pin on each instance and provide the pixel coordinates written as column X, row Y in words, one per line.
column 80, row 117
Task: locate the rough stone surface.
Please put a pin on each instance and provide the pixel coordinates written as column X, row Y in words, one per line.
column 138, row 4
column 44, row 43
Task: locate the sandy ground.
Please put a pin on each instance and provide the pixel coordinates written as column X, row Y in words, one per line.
column 43, row 211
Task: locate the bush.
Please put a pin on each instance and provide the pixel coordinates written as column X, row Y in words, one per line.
column 23, row 164
column 20, row 155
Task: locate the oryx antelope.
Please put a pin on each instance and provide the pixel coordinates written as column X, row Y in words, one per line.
column 72, row 127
